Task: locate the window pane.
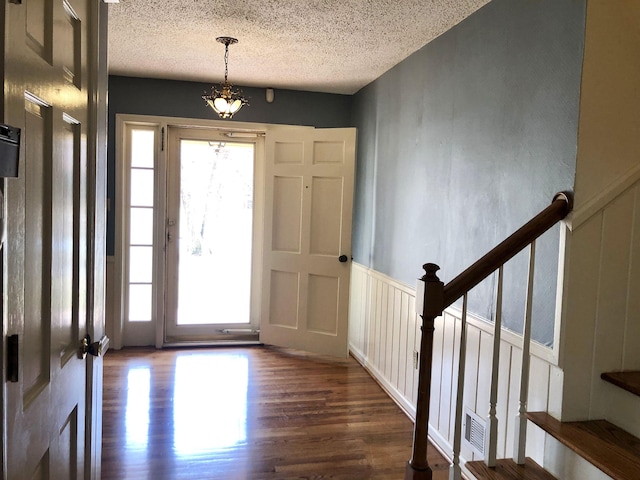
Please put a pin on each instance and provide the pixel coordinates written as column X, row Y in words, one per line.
column 141, row 227
column 139, row 303
column 140, row 264
column 142, row 148
column 141, row 188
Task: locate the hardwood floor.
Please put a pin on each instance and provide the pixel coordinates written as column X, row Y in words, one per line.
column 256, row 413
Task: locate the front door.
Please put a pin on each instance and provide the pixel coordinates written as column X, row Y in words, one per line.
column 209, row 236
column 307, row 239
column 45, row 277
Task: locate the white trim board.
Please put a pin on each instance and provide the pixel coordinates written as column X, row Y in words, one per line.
column 604, row 198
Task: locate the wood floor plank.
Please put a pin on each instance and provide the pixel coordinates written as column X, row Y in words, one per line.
column 255, row 413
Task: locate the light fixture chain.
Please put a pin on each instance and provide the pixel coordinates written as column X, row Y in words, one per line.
column 226, row 61
column 225, row 100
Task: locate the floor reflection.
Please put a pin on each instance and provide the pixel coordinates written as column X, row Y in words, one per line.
column 210, row 403
column 247, row 414
column 137, row 408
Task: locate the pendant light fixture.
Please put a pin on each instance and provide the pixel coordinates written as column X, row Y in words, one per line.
column 224, row 99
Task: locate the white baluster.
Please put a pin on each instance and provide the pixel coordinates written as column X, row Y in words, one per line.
column 454, row 471
column 520, row 429
column 491, row 437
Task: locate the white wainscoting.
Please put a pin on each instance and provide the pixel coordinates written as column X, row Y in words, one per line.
column 385, row 332
column 601, row 325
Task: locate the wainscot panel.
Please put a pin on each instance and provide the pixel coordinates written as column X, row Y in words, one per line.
column 385, row 338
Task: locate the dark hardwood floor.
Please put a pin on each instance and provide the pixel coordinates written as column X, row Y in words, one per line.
column 255, row 413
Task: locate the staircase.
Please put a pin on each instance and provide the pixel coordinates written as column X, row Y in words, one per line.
column 507, row 469
column 609, row 448
column 586, row 450
column 432, row 298
column 606, row 446
column 629, row 381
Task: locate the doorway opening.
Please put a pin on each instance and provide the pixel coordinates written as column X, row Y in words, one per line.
column 209, row 236
column 215, row 231
column 190, row 205
column 247, row 234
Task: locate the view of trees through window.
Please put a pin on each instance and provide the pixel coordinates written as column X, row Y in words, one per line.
column 215, row 232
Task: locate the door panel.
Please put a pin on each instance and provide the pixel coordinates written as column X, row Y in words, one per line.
column 324, row 296
column 287, row 214
column 37, row 259
column 283, row 301
column 309, row 198
column 326, row 215
column 45, row 256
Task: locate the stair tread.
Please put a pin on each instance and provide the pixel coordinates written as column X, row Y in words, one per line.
column 507, row 469
column 630, row 381
column 608, row 447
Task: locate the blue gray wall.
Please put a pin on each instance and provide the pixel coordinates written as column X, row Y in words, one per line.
column 466, row 140
column 144, row 96
column 458, row 145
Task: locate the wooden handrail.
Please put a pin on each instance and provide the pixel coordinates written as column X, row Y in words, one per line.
column 432, row 297
column 560, row 207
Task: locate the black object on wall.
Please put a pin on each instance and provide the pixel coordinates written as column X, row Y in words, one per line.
column 9, row 150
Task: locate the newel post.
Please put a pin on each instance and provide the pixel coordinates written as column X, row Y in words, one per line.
column 429, row 301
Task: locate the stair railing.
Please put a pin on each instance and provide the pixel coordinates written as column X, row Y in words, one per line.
column 433, row 297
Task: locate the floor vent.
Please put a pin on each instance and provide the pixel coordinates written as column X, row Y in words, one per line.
column 474, row 431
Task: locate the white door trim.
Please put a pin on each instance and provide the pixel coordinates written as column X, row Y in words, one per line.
column 173, row 334
column 117, row 284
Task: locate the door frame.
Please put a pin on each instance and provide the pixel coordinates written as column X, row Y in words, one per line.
column 96, row 231
column 201, row 333
column 115, row 274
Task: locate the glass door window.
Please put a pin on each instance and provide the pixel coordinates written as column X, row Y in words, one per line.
column 215, row 231
column 209, row 249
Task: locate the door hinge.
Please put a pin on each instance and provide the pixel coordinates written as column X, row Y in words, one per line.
column 12, row 358
column 162, row 140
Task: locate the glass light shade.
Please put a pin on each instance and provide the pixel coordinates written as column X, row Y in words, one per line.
column 225, row 101
column 220, row 105
column 235, row 106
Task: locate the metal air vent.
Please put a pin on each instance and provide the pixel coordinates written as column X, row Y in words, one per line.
column 474, row 431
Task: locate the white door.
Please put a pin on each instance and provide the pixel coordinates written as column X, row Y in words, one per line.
column 45, row 276
column 210, row 230
column 307, row 239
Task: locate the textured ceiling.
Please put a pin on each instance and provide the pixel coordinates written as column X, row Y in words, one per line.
column 334, row 46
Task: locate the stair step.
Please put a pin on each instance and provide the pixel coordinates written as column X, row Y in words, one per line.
column 611, row 449
column 507, row 469
column 630, row 381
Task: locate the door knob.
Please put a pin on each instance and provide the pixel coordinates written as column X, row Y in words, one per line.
column 95, row 348
column 342, row 258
